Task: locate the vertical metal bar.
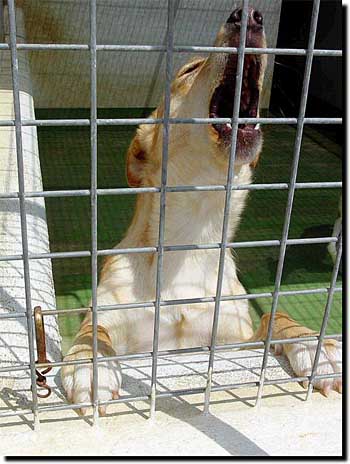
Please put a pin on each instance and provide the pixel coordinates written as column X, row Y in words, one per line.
column 22, row 205
column 289, row 207
column 230, row 176
column 325, row 316
column 93, row 202
column 2, row 22
column 165, row 152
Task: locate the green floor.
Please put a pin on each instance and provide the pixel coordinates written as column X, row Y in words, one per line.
column 65, row 159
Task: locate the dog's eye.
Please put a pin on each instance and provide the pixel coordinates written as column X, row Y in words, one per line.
column 189, row 69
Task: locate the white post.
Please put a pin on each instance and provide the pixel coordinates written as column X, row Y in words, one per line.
column 13, row 332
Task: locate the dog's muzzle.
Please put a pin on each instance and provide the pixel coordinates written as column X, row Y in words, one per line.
column 222, row 100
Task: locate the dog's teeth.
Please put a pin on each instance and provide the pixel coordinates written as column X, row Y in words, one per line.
column 257, row 126
column 229, row 125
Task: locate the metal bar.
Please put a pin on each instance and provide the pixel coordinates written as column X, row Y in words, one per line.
column 148, row 355
column 39, row 47
column 128, row 190
column 288, row 212
column 168, row 248
column 325, row 316
column 178, row 188
column 212, row 299
column 93, row 122
column 176, row 49
column 258, row 51
column 164, row 175
column 312, row 185
column 166, row 394
column 93, row 200
column 150, row 304
column 138, row 121
column 194, row 350
column 194, row 120
column 228, row 194
column 212, row 246
column 2, row 22
column 53, row 255
column 22, row 204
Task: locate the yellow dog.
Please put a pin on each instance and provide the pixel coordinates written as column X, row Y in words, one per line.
column 198, row 155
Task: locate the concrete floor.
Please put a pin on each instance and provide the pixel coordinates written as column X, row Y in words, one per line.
column 284, row 424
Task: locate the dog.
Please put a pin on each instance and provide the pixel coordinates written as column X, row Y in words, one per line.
column 333, row 246
column 198, row 155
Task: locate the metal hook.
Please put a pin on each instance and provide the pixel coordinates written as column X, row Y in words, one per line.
column 41, row 350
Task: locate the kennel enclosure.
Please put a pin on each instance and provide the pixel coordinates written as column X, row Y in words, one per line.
column 21, row 120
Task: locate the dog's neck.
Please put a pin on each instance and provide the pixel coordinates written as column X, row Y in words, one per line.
column 191, row 217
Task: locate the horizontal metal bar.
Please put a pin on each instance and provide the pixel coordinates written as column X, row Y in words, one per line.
column 316, row 185
column 18, row 412
column 178, row 188
column 177, row 49
column 39, row 46
column 59, row 193
column 127, row 191
column 204, row 349
column 150, row 304
column 257, row 50
column 137, row 121
column 194, row 120
column 222, row 188
column 211, row 299
column 211, row 246
column 168, row 248
column 167, row 394
column 53, row 255
column 19, row 367
column 181, row 351
column 124, row 251
column 46, row 122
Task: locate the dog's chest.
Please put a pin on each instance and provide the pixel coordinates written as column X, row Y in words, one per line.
column 194, row 274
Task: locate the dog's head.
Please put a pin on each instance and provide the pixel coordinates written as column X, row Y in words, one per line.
column 205, row 87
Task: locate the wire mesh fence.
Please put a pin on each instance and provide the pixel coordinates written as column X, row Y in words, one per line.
column 169, row 48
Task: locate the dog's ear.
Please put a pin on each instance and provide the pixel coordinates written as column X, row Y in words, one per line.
column 254, row 163
column 188, row 68
column 142, row 154
column 135, row 162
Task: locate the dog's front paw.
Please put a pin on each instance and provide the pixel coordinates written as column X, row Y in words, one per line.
column 77, row 379
column 301, row 357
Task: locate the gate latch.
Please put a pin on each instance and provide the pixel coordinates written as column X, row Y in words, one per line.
column 41, row 350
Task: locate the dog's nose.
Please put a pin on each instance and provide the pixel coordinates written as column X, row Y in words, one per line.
column 255, row 18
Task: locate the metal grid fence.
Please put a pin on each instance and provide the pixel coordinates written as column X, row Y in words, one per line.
column 160, row 249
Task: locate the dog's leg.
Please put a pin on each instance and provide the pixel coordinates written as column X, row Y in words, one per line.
column 119, row 333
column 77, row 379
column 301, row 355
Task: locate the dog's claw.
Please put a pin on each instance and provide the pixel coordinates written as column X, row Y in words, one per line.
column 301, row 357
column 77, row 381
column 326, row 390
column 339, row 385
column 305, row 383
column 278, row 349
column 115, row 395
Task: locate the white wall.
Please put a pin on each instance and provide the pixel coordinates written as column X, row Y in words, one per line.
column 14, row 332
column 61, row 79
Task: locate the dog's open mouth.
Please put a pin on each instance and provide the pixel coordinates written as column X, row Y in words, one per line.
column 222, row 100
